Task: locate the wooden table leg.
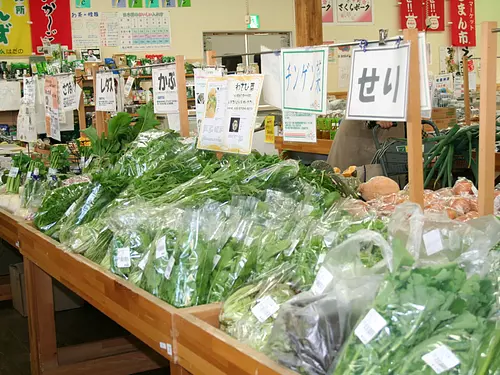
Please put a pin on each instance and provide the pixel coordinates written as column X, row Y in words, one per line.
column 42, row 327
column 178, row 370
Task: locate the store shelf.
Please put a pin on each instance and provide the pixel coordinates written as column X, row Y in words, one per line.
column 9, row 226
column 5, row 291
column 322, row 146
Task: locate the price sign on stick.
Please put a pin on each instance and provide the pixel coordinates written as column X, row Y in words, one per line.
column 106, row 95
column 303, row 79
column 165, row 95
column 52, row 126
column 67, row 93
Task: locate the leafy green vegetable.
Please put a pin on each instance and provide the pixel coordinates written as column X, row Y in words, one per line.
column 21, row 162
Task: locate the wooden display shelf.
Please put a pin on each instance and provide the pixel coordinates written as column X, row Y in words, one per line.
column 9, row 227
column 5, row 291
column 322, row 146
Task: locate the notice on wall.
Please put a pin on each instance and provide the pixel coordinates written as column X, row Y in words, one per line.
column 230, row 112
column 29, row 91
column 165, row 95
column 26, row 127
column 304, row 79
column 52, row 127
column 10, row 92
column 344, row 59
column 271, row 92
column 299, row 127
column 200, row 83
column 85, row 28
column 67, row 93
column 145, row 31
column 109, row 29
column 353, row 12
column 105, row 95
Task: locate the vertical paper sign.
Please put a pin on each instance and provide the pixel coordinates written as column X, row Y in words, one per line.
column 26, row 128
column 425, row 93
column 51, row 108
column 200, row 83
column 128, row 86
column 379, row 83
column 463, row 23
column 230, row 112
column 299, row 127
column 304, row 78
column 344, row 66
column 327, row 11
column 269, row 128
column 29, row 91
column 435, row 14
column 412, row 14
column 271, row 91
column 165, row 96
column 14, row 27
column 67, row 93
column 105, row 96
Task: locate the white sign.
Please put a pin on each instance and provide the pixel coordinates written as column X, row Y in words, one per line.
column 26, row 126
column 10, row 92
column 230, row 109
column 29, row 91
column 299, row 127
column 128, row 86
column 379, row 83
column 67, row 93
column 271, row 92
column 166, row 99
column 200, row 83
column 105, row 96
column 425, row 92
column 344, row 58
column 51, row 98
column 444, row 81
column 304, row 79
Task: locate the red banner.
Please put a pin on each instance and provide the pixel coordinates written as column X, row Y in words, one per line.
column 412, row 14
column 435, row 15
column 51, row 21
column 463, row 27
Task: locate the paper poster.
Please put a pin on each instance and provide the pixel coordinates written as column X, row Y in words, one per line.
column 14, row 27
column 51, row 22
column 168, row 3
column 83, row 3
column 269, row 128
column 85, row 27
column 106, row 95
column 271, row 91
column 29, row 91
column 200, row 83
column 119, row 3
column 304, row 79
column 299, row 127
column 184, row 3
column 145, row 31
column 135, row 3
column 10, row 94
column 67, row 93
column 463, row 23
column 344, row 57
column 165, row 93
column 327, row 10
column 152, row 3
column 230, row 112
column 109, row 29
column 26, row 127
column 52, row 126
column 444, row 81
column 354, row 12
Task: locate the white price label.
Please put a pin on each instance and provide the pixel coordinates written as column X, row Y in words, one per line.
column 52, row 171
column 170, row 267
column 123, row 257
column 433, row 242
column 370, row 326
column 28, row 175
column 36, row 172
column 216, row 261
column 321, row 259
column 293, row 245
column 161, row 248
column 82, row 162
column 323, row 278
column 441, row 359
column 308, row 209
column 70, row 210
column 265, row 308
column 144, row 261
column 13, row 172
column 248, row 241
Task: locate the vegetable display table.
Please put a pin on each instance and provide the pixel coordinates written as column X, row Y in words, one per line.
column 322, row 146
column 8, row 232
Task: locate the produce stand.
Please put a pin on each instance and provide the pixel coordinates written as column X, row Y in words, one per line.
column 322, row 146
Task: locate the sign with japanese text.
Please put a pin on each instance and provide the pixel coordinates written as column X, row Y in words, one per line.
column 51, row 22
column 144, row 31
column 26, row 126
column 231, row 106
column 435, row 15
column 412, row 14
column 200, row 83
column 52, row 126
column 299, row 127
column 327, row 11
column 67, row 93
column 444, row 81
column 10, row 94
column 463, row 23
column 354, row 11
column 105, row 97
column 270, row 64
column 29, row 91
column 165, row 95
column 304, row 79
column 14, row 26
column 379, row 83
column 269, row 128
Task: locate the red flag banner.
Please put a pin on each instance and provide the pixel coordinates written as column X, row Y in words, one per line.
column 412, row 14
column 463, row 27
column 435, row 15
column 52, row 22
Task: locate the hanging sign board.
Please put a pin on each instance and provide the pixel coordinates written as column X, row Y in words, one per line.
column 200, row 83
column 105, row 96
column 29, row 91
column 26, row 126
column 304, row 79
column 299, row 127
column 165, row 96
column 463, row 23
column 52, row 126
column 378, row 88
column 271, row 91
column 230, row 111
column 68, row 93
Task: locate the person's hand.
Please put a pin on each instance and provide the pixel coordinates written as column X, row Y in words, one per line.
column 385, row 124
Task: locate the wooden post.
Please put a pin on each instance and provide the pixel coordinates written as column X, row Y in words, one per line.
column 414, row 123
column 466, row 90
column 487, row 126
column 211, row 60
column 308, row 23
column 180, row 72
column 100, row 123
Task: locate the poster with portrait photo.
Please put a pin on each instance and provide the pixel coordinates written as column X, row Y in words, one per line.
column 90, row 54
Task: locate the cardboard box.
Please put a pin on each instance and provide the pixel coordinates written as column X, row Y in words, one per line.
column 443, row 113
column 64, row 299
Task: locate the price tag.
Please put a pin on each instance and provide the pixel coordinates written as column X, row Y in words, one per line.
column 82, row 162
column 128, row 86
column 52, row 171
column 170, row 267
column 28, row 175
column 292, row 248
column 216, row 261
column 143, row 262
column 123, row 257
column 265, row 308
column 13, row 172
column 70, row 210
column 161, row 248
column 433, row 242
column 441, row 359
column 36, row 172
column 370, row 326
column 248, row 241
column 323, row 278
column 321, row 259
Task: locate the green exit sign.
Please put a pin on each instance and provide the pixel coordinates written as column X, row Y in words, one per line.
column 254, row 22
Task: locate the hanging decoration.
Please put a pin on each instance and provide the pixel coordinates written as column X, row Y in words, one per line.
column 463, row 23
